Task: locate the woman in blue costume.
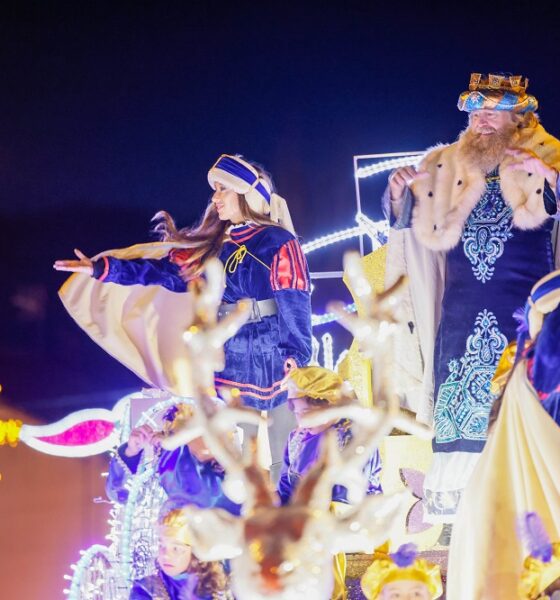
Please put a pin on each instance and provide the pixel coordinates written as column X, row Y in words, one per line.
column 249, row 228
column 180, row 575
column 480, row 212
column 189, row 474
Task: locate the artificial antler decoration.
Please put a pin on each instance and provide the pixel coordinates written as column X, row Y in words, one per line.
column 373, row 331
column 285, row 552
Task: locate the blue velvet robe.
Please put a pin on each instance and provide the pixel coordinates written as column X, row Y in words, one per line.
column 273, row 267
column 163, row 587
column 488, row 275
column 184, row 478
column 303, row 450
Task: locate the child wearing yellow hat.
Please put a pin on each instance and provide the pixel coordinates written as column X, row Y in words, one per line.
column 402, row 576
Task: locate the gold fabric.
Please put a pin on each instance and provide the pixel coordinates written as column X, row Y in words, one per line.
column 140, row 326
column 340, row 592
column 518, row 471
column 317, row 383
column 538, row 575
column 503, row 369
column 355, row 368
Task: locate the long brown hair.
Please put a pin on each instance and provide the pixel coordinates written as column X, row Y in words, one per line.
column 207, row 237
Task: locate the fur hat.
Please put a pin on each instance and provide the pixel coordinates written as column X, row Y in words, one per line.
column 242, row 177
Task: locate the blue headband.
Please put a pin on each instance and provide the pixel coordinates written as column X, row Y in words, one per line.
column 545, row 288
column 230, row 165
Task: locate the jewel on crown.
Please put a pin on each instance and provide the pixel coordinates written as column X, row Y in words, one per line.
column 497, row 81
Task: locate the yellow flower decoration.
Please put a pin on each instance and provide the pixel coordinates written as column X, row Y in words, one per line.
column 384, row 570
column 9, row 432
column 538, row 575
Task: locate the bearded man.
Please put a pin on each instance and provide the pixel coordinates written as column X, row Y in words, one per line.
column 474, row 228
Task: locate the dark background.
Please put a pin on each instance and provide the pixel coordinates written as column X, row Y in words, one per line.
column 110, row 114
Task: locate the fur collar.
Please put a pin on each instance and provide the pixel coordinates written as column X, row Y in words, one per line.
column 447, row 196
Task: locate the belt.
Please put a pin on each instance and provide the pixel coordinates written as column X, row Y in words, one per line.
column 259, row 309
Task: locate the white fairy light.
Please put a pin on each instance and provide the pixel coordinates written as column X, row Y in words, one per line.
column 331, row 238
column 94, row 553
column 373, row 229
column 339, row 360
column 329, row 317
column 388, row 165
column 327, row 342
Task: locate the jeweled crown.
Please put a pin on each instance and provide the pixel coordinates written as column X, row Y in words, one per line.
column 496, row 81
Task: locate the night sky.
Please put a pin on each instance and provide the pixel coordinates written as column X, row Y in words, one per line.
column 107, row 116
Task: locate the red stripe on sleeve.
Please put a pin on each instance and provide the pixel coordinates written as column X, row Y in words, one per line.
column 105, row 269
column 288, row 270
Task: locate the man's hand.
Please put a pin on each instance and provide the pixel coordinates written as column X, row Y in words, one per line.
column 525, row 160
column 139, row 439
column 401, row 179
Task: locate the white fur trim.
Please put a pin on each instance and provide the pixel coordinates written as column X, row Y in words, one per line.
column 445, row 198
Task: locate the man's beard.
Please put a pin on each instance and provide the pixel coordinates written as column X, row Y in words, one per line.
column 486, row 151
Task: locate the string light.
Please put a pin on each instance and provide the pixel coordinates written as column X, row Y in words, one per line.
column 412, row 159
column 95, row 553
column 376, row 230
column 325, row 318
column 327, row 342
column 339, row 360
column 331, row 238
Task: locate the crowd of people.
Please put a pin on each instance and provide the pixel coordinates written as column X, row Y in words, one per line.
column 475, row 228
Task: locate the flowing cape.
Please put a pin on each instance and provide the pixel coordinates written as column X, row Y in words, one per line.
column 518, row 471
column 140, row 326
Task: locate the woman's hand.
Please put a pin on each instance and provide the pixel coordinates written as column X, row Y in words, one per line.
column 83, row 265
column 139, row 439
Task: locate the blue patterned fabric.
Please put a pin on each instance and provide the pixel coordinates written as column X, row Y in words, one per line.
column 488, row 275
column 262, row 262
column 303, row 450
column 184, row 478
column 163, row 587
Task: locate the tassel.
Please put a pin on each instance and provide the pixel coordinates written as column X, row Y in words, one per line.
column 405, row 555
column 535, row 537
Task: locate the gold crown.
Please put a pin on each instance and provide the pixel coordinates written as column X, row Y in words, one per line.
column 175, row 525
column 384, row 570
column 493, row 81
